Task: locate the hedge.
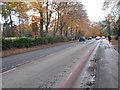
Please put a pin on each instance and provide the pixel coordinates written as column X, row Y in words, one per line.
column 30, row 42
column 7, row 44
column 115, row 37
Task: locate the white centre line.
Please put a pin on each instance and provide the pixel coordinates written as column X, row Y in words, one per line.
column 9, row 70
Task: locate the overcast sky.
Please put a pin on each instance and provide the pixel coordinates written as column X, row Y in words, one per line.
column 94, row 9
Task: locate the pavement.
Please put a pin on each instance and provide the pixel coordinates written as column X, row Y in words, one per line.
column 107, row 73
column 101, row 70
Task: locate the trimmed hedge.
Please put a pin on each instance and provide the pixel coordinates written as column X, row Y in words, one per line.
column 115, row 37
column 7, row 44
column 30, row 42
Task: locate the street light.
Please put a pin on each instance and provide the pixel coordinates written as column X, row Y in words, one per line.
column 106, row 23
column 108, row 26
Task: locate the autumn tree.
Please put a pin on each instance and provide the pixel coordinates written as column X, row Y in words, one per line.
column 16, row 9
column 21, row 9
column 114, row 14
column 50, row 9
column 72, row 16
column 7, row 8
column 95, row 29
column 67, row 18
column 39, row 8
column 34, row 25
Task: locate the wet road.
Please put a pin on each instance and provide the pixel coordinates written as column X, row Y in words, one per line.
column 47, row 68
column 13, row 61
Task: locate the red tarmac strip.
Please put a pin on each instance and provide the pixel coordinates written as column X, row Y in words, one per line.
column 69, row 82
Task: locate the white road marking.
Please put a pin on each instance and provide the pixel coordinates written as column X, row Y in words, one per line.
column 9, row 70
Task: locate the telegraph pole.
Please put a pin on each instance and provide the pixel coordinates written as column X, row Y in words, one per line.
column 108, row 26
column 106, row 23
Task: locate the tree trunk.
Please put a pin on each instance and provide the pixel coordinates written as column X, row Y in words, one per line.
column 66, row 33
column 56, row 23
column 47, row 24
column 54, row 32
column 11, row 23
column 41, row 25
column 19, row 20
column 58, row 19
column 61, row 27
column 73, row 34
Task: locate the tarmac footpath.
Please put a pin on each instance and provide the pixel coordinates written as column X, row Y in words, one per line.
column 101, row 70
column 107, row 67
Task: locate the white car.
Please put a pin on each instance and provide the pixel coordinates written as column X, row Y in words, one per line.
column 103, row 37
column 98, row 38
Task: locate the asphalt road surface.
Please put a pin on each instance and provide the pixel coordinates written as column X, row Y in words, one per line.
column 47, row 67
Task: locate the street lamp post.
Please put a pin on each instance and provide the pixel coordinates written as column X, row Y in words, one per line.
column 108, row 26
column 106, row 23
column 103, row 25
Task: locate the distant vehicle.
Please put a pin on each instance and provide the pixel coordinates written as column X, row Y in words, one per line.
column 98, row 38
column 82, row 39
column 103, row 37
column 89, row 38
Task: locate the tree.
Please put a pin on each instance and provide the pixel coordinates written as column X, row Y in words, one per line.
column 73, row 16
column 66, row 18
column 10, row 9
column 50, row 8
column 39, row 8
column 7, row 8
column 96, row 28
column 21, row 9
column 115, row 13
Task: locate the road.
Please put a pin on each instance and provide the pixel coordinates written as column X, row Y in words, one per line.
column 47, row 67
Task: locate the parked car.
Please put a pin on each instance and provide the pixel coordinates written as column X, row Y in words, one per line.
column 89, row 38
column 82, row 39
column 103, row 37
column 98, row 38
